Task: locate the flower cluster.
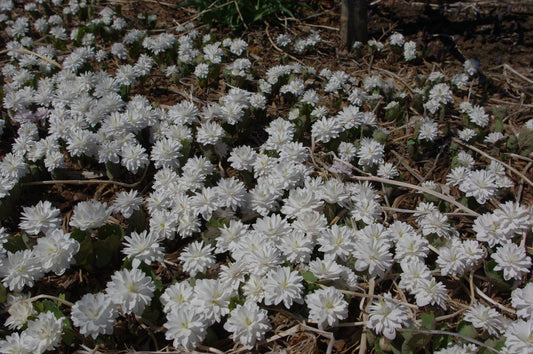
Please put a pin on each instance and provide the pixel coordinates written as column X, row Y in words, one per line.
column 255, row 210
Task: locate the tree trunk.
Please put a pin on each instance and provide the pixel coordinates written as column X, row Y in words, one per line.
column 354, row 15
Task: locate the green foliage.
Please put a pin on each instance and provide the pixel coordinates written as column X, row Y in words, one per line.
column 85, row 256
column 212, row 231
column 98, row 251
column 525, row 141
column 493, row 343
column 107, row 244
column 496, row 278
column 239, row 14
column 3, row 294
column 467, row 330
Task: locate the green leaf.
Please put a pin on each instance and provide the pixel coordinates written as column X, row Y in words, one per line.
column 107, row 244
column 309, row 276
column 112, row 231
column 15, row 243
column 467, row 329
column 428, row 320
column 53, row 306
column 85, row 256
column 496, row 278
column 212, row 231
column 498, row 126
column 3, row 294
column 493, row 343
column 417, row 341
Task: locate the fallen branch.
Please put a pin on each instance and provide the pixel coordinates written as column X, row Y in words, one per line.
column 520, row 174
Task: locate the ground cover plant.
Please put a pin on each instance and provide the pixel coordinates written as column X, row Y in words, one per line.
column 167, row 187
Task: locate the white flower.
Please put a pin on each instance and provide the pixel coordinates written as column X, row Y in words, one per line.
column 90, row 214
column 347, row 151
column 16, row 343
column 326, row 129
column 337, row 241
column 429, row 291
column 452, row 260
column 201, row 71
column 513, row 217
column 471, row 66
column 283, row 40
column 197, row 258
column 411, row 247
column 488, row 229
column 297, row 246
column 396, row 39
column 186, row 326
column 512, row 259
column 428, row 130
column 133, row 156
column 478, row 116
column 370, row 152
column 441, row 94
column 519, row 337
column 467, row 134
column 326, row 269
column 213, row 297
column 231, row 193
column 176, row 295
column 56, row 251
column 412, row 273
column 327, row 306
column 165, row 153
column 41, row 217
column 94, row 314
column 205, row 202
column 131, row 289
column 301, row 201
column 522, row 300
column 143, row 246
column 386, row 316
column 388, row 170
column 374, row 255
column 248, row 323
column 19, row 310
column 409, row 50
column 482, row 316
column 19, row 269
column 126, row 203
column 44, row 333
column 493, row 137
column 283, row 285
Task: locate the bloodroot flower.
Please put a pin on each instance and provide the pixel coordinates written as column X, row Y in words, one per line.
column 41, row 217
column 248, row 323
column 94, row 314
column 512, row 259
column 386, row 316
column 186, row 326
column 90, row 214
column 131, row 289
column 327, row 306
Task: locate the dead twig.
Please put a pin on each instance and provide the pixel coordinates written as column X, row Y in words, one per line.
column 26, row 51
column 276, row 47
column 87, row 181
column 508, row 67
column 511, row 168
column 446, row 198
column 446, row 333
